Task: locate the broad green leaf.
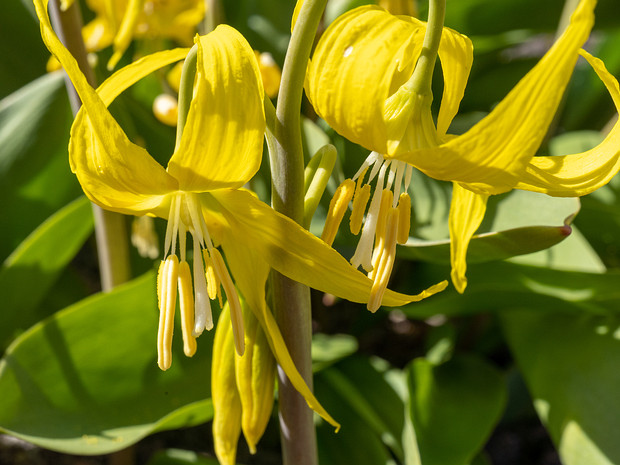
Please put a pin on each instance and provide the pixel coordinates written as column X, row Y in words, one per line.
column 31, row 270
column 329, row 349
column 570, row 364
column 454, row 408
column 359, row 382
column 35, row 179
column 350, row 391
column 180, row 457
column 85, row 381
column 515, row 224
column 22, row 53
column 497, row 286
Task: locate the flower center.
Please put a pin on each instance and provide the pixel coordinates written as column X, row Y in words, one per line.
column 174, row 274
column 387, row 219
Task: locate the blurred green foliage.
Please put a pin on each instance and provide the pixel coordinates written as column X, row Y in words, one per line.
column 535, row 338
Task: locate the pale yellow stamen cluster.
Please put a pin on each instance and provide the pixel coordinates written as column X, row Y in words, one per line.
column 386, row 222
column 174, row 274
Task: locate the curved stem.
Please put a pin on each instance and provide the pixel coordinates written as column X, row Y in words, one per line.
column 110, row 228
column 292, row 300
column 423, row 74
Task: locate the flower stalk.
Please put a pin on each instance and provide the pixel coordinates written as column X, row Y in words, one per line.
column 110, row 227
column 291, row 300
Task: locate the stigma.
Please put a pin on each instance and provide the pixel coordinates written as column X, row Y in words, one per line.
column 195, row 293
column 383, row 224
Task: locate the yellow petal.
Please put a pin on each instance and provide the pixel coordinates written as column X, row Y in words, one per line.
column 98, row 34
column 296, row 13
column 492, row 155
column 114, row 172
column 366, row 48
column 466, row 213
column 296, row 253
column 456, row 54
column 226, row 402
column 251, row 273
column 581, row 173
column 222, row 143
column 126, row 31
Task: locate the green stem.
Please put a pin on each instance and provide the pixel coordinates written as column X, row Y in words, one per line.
column 291, row 299
column 423, row 74
column 186, row 91
column 110, row 228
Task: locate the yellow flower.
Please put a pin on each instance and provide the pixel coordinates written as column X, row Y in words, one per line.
column 377, row 108
column 201, row 192
column 119, row 21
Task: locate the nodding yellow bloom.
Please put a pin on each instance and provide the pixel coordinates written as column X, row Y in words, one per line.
column 270, row 72
column 378, row 109
column 200, row 193
column 117, row 22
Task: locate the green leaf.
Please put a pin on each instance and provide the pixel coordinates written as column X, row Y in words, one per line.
column 570, row 364
column 350, row 391
column 86, row 381
column 518, row 223
column 329, row 349
column 454, row 407
column 498, row 286
column 35, row 179
column 180, row 457
column 22, row 53
column 31, row 270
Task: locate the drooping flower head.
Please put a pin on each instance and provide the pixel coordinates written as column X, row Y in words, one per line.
column 200, row 193
column 381, row 111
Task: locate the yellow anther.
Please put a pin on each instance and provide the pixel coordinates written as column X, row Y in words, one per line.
column 337, row 207
column 404, row 218
column 236, row 315
column 384, row 261
column 360, row 200
column 160, row 272
column 213, row 284
column 186, row 299
column 387, row 197
column 167, row 301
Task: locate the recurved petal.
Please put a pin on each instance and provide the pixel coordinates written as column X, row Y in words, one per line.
column 492, row 155
column 222, row 142
column 114, row 173
column 251, row 272
column 581, row 173
column 296, row 253
column 466, row 213
column 456, row 54
column 121, row 177
column 366, row 48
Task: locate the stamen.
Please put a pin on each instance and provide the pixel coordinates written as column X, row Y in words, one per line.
column 408, row 174
column 175, row 223
column 386, row 205
column 196, row 218
column 213, row 284
column 404, row 218
column 360, row 200
column 377, row 166
column 168, row 302
column 203, row 317
column 160, row 290
column 337, row 207
column 391, row 176
column 170, row 227
column 363, row 252
column 385, row 263
column 400, row 171
column 236, row 315
column 186, row 299
column 182, row 240
column 371, row 159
